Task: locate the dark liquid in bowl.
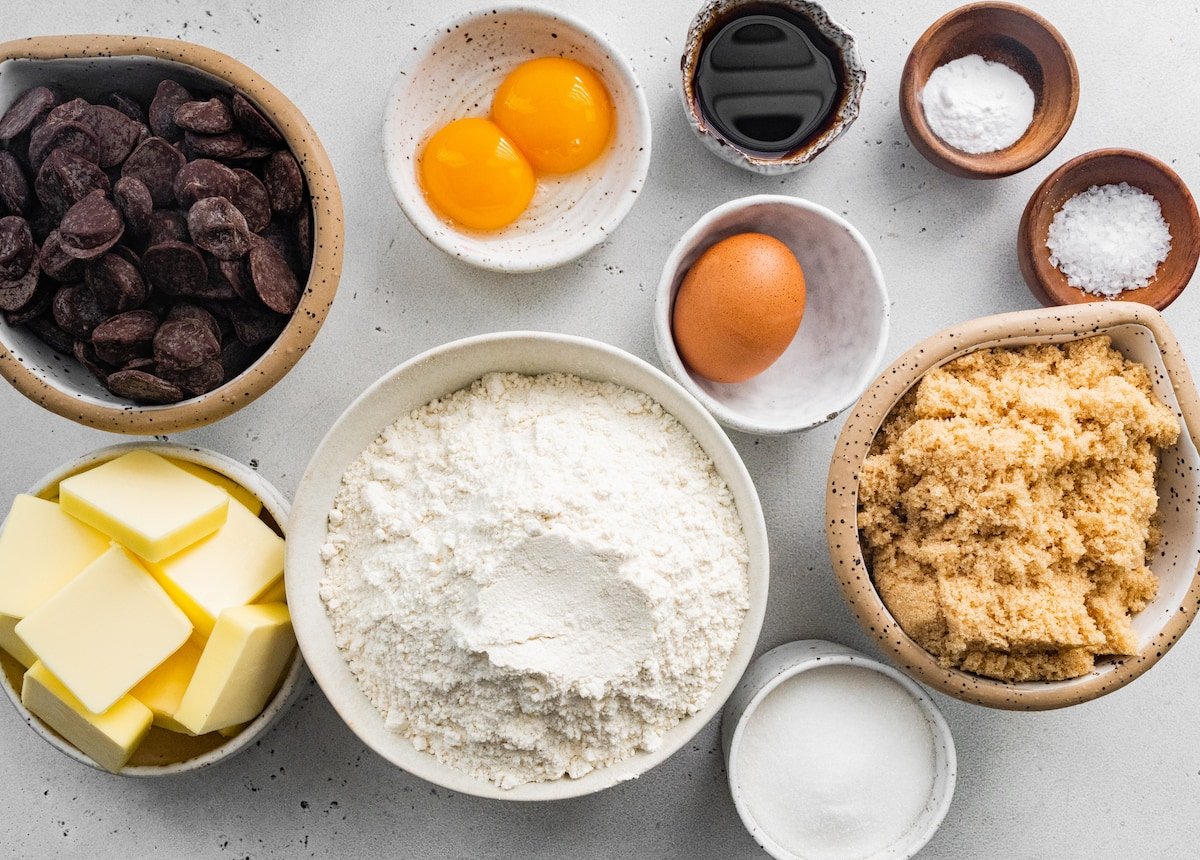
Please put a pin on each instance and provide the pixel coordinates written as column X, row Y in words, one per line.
column 767, row 82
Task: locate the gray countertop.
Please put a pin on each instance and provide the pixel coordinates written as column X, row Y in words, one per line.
column 1118, row 777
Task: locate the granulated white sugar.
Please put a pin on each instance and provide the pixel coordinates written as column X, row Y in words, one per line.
column 1109, row 239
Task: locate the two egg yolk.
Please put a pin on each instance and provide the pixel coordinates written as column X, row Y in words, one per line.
column 550, row 115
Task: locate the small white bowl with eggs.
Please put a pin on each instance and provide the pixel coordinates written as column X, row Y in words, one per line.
column 842, row 335
column 454, row 73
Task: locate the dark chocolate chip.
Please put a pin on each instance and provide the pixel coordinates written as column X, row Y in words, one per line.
column 250, row 120
column 17, row 293
column 155, row 162
column 284, row 181
column 117, row 283
column 143, row 387
column 210, row 117
column 167, row 99
column 204, row 178
column 76, row 310
column 219, row 227
column 85, row 354
column 124, row 337
column 136, row 205
column 72, row 135
column 117, row 135
column 183, row 344
column 65, row 178
column 127, row 105
column 168, row 225
column 176, row 268
column 274, row 281
column 198, row 380
column 51, row 335
column 14, row 187
column 222, row 146
column 17, row 250
column 29, row 107
column 254, row 325
column 56, row 263
column 91, row 227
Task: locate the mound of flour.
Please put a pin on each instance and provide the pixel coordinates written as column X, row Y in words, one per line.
column 535, row 576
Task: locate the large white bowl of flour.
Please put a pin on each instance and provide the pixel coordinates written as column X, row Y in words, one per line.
column 348, row 581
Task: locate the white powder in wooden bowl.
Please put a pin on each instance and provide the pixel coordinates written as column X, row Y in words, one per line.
column 1109, row 239
column 977, row 105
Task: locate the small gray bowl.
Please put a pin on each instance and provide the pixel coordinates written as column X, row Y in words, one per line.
column 714, row 14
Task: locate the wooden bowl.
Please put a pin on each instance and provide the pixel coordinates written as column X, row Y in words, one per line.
column 1008, row 34
column 91, row 65
column 1104, row 167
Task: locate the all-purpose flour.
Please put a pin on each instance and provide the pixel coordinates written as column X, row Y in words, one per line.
column 535, row 576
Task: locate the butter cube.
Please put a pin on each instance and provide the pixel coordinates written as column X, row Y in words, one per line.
column 236, row 490
column 107, row 629
column 277, row 593
column 109, row 739
column 162, row 690
column 145, row 503
column 243, row 661
column 11, row 643
column 41, row 550
column 232, row 567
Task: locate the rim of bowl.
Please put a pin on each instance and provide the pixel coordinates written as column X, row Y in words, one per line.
column 847, row 112
column 425, row 220
column 664, row 302
column 984, row 165
column 328, row 240
column 841, row 655
column 1051, row 293
column 853, row 444
column 289, row 689
column 338, row 683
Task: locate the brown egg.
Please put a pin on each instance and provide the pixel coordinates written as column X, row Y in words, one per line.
column 738, row 307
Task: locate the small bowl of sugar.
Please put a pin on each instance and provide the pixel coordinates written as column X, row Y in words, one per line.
column 832, row 754
column 1109, row 224
column 988, row 90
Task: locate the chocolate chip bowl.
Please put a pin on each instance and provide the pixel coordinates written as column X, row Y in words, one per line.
column 171, row 231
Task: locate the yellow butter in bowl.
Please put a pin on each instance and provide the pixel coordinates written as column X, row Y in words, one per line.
column 231, row 567
column 108, row 738
column 162, row 690
column 145, row 503
column 41, row 550
column 241, row 665
column 107, row 629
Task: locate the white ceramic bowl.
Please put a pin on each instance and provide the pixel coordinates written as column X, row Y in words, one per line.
column 842, row 336
column 434, row 374
column 776, row 666
column 276, row 506
column 455, row 73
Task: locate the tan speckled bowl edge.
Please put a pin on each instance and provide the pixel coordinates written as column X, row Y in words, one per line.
column 328, row 242
column 854, row 442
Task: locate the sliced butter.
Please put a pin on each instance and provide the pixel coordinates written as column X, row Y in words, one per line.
column 41, row 550
column 232, row 567
column 162, row 690
column 145, row 503
column 107, row 629
column 241, row 665
column 236, row 490
column 12, row 644
column 109, row 739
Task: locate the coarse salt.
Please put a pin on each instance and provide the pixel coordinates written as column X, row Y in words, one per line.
column 977, row 105
column 1109, row 239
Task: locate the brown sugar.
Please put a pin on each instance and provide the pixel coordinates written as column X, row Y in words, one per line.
column 1008, row 504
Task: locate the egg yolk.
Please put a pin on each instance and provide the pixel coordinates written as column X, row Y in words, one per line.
column 473, row 174
column 557, row 111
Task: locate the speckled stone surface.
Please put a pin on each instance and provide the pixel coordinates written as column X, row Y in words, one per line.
column 1115, row 778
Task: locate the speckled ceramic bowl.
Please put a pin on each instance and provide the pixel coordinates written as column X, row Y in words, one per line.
column 853, row 74
column 454, row 72
column 91, row 65
column 166, row 753
column 435, row 374
column 841, row 338
column 788, row 660
column 1142, row 335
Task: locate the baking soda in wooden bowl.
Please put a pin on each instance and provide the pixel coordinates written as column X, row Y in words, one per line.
column 832, row 755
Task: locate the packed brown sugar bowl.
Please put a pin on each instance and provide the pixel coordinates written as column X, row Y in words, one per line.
column 994, row 505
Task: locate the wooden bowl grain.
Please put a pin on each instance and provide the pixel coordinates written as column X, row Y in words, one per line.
column 1105, row 167
column 1008, row 34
